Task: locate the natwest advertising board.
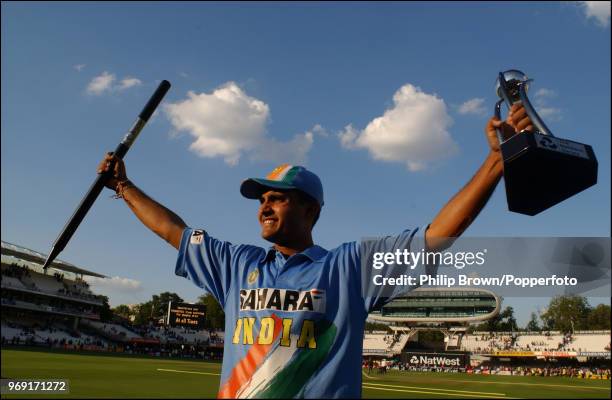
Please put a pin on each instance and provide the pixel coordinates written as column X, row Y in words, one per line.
column 448, row 360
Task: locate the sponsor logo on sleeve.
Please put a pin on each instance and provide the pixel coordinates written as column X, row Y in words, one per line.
column 196, row 237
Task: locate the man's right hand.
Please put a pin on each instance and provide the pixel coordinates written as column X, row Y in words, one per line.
column 153, row 215
column 516, row 121
column 119, row 173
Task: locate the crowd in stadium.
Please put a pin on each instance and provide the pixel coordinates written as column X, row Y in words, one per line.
column 48, row 304
column 177, row 350
column 50, row 332
column 27, row 278
column 382, row 366
column 492, row 341
column 584, row 372
column 29, row 338
column 16, row 271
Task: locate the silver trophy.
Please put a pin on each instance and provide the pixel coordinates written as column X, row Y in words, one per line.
column 540, row 170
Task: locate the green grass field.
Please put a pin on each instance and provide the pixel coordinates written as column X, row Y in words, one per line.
column 110, row 376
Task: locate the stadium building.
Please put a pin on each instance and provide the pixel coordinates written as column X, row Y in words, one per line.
column 448, row 312
column 47, row 308
column 56, row 308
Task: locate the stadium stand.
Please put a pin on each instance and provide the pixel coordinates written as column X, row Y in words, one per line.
column 46, row 283
column 590, row 341
column 19, row 277
column 453, row 342
column 579, row 341
column 191, row 336
column 486, row 342
column 178, row 334
column 10, row 332
column 114, row 329
column 10, row 282
column 400, row 343
column 46, row 308
column 29, row 331
column 539, row 342
column 375, row 343
column 384, row 343
column 58, row 309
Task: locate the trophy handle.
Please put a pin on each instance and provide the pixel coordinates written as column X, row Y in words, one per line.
column 531, row 112
column 502, row 89
column 498, row 116
column 505, row 98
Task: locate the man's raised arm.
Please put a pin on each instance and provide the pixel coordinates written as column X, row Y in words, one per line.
column 454, row 218
column 153, row 215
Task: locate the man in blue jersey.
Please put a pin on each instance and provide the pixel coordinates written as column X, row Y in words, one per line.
column 295, row 312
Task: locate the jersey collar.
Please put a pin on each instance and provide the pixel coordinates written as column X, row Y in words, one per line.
column 313, row 253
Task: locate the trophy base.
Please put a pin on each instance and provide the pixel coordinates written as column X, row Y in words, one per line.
column 541, row 171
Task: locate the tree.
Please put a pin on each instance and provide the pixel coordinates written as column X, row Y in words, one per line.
column 489, row 325
column 215, row 317
column 532, row 325
column 159, row 304
column 567, row 313
column 508, row 322
column 105, row 312
column 154, row 309
column 143, row 313
column 504, row 321
column 599, row 317
column 123, row 311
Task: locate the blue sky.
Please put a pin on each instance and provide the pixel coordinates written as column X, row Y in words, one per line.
column 328, row 85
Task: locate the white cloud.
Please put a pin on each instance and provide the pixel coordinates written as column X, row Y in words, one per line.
column 598, row 10
column 473, row 106
column 550, row 113
column 319, row 130
column 101, row 83
column 293, row 152
column 348, row 137
column 79, row 67
column 104, row 83
column 116, row 284
column 229, row 123
column 545, row 93
column 183, row 74
column 543, row 108
column 128, row 82
column 414, row 131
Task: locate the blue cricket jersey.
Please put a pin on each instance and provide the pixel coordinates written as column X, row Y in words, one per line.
column 293, row 327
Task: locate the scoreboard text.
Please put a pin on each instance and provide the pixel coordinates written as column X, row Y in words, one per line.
column 186, row 315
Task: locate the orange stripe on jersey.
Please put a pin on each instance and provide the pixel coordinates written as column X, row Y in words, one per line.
column 245, row 368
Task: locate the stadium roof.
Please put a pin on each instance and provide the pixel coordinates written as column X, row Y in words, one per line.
column 22, row 253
